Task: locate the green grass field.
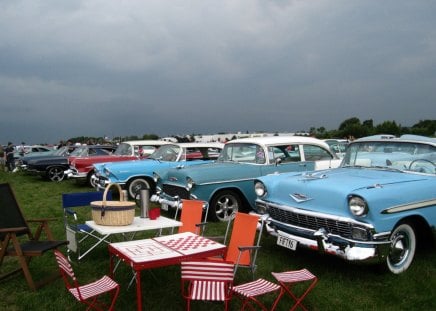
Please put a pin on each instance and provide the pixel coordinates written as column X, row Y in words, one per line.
column 341, row 286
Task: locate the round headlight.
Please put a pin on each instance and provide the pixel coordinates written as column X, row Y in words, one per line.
column 259, row 188
column 190, row 183
column 357, row 206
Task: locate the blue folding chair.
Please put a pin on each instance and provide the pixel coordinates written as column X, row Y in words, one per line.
column 76, row 231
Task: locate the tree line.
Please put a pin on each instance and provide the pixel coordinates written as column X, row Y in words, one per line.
column 349, row 128
column 354, row 128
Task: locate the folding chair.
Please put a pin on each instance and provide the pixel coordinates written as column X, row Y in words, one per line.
column 76, row 231
column 88, row 294
column 207, row 281
column 191, row 214
column 243, row 246
column 14, row 228
column 288, row 279
column 250, row 292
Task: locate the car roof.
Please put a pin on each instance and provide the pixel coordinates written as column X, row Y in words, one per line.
column 403, row 138
column 274, row 140
column 199, row 144
column 146, row 142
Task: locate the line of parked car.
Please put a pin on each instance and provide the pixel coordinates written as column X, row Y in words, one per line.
column 376, row 203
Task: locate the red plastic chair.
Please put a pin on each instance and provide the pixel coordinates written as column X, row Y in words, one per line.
column 88, row 294
column 207, row 281
column 290, row 278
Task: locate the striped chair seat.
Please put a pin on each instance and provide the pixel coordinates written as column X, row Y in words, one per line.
column 93, row 289
column 293, row 276
column 256, row 288
column 289, row 278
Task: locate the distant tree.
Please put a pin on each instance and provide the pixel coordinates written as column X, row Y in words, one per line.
column 348, row 123
column 150, row 137
column 389, row 127
column 424, row 127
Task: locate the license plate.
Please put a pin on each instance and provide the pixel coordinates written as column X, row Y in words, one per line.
column 287, row 242
column 164, row 207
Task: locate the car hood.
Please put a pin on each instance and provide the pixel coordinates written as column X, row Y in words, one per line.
column 327, row 191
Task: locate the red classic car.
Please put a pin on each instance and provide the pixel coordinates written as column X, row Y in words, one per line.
column 82, row 168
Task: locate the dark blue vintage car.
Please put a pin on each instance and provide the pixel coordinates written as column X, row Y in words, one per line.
column 377, row 206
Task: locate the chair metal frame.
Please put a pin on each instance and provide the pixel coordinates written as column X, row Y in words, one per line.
column 13, row 228
column 90, row 293
column 289, row 278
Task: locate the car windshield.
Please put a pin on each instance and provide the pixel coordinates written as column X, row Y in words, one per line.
column 400, row 155
column 123, row 149
column 79, row 152
column 243, row 153
column 169, row 153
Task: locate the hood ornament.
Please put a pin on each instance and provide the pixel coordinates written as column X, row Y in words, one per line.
column 299, row 197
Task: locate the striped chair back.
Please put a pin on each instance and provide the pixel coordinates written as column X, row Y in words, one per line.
column 65, row 268
column 208, row 281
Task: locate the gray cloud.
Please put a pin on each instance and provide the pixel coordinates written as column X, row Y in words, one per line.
column 104, row 67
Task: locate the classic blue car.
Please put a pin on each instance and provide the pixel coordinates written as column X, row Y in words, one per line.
column 227, row 184
column 135, row 175
column 377, row 206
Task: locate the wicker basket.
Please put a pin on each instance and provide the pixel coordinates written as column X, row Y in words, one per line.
column 113, row 213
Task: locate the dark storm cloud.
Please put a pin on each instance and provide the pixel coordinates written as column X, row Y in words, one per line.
column 73, row 68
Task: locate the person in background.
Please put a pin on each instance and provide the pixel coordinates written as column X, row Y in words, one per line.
column 9, row 153
column 22, row 149
column 2, row 158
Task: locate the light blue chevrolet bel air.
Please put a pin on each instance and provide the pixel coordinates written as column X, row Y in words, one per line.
column 227, row 184
column 135, row 175
column 378, row 206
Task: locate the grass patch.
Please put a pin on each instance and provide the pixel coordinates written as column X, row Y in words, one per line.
column 341, row 286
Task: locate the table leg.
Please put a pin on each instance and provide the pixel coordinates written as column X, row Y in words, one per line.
column 138, row 289
column 111, row 265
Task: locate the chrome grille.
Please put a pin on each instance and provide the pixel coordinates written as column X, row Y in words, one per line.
column 173, row 191
column 341, row 228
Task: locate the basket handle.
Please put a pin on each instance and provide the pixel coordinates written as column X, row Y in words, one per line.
column 106, row 190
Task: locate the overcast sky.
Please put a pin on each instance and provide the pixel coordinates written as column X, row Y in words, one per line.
column 116, row 68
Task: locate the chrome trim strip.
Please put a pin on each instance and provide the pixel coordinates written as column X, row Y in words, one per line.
column 409, row 206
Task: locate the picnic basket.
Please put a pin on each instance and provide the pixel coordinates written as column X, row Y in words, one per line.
column 113, row 213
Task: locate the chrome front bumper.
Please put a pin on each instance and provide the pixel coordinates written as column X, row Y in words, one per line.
column 73, row 173
column 324, row 242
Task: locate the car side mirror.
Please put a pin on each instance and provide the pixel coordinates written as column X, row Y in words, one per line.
column 278, row 161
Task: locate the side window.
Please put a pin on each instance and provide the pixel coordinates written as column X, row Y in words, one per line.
column 91, row 152
column 286, row 153
column 136, row 150
column 260, row 155
column 316, row 153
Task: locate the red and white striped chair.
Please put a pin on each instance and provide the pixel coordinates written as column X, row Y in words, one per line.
column 207, row 280
column 88, row 293
column 289, row 278
column 249, row 293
